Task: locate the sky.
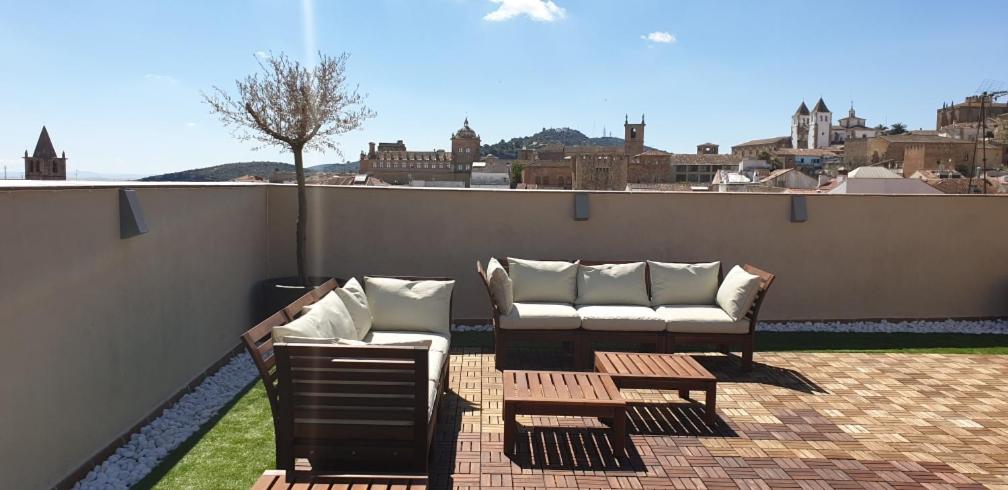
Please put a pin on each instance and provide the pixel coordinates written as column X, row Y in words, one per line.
column 118, row 83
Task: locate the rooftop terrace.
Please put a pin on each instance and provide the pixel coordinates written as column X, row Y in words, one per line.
column 104, row 330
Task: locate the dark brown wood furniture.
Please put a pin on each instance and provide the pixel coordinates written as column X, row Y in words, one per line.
column 279, row 480
column 403, row 447
column 583, row 341
column 563, row 393
column 662, row 372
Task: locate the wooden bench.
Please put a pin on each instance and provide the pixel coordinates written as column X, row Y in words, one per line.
column 660, row 371
column 350, row 441
column 583, row 341
column 278, row 480
column 563, row 393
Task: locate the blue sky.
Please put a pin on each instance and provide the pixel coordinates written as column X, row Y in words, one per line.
column 118, row 83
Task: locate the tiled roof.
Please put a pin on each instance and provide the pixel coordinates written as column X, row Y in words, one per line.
column 694, row 159
column 815, row 152
column 802, row 110
column 820, row 106
column 765, row 141
column 652, row 153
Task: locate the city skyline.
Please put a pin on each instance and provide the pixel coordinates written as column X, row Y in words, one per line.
column 725, row 75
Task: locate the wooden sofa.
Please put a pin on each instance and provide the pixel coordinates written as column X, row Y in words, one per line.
column 360, row 409
column 666, row 340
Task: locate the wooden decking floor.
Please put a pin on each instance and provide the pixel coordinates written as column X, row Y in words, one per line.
column 798, row 420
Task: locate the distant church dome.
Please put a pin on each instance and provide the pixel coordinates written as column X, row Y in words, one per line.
column 466, row 131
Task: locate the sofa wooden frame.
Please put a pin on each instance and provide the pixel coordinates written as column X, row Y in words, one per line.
column 378, row 433
column 583, row 341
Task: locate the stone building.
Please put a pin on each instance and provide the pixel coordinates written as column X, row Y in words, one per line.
column 911, row 152
column 811, row 129
column 700, row 169
column 752, row 149
column 968, row 111
column 394, row 164
column 44, row 164
column 851, row 127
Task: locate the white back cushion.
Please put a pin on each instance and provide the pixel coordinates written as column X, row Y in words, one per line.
column 612, row 284
column 304, row 326
column 684, row 284
column 501, row 287
column 543, row 280
column 334, row 317
column 737, row 292
column 397, row 304
column 352, row 294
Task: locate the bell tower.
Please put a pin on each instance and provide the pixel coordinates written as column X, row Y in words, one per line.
column 633, row 137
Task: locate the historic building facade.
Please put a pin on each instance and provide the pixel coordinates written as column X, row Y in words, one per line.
column 44, row 164
column 394, row 164
column 811, row 129
column 968, row 111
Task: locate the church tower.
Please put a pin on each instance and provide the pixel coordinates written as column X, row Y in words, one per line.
column 799, row 126
column 822, row 123
column 43, row 164
column 465, row 148
column 633, row 137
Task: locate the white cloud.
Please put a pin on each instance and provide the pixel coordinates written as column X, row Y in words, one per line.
column 537, row 10
column 659, row 37
column 161, row 78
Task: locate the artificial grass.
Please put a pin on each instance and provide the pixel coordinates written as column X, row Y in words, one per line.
column 234, row 450
column 229, row 453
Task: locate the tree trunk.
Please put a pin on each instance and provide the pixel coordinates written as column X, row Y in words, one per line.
column 302, row 221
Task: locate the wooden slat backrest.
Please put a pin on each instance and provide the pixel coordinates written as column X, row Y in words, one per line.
column 258, row 341
column 766, row 279
column 338, row 400
column 293, row 310
column 494, row 311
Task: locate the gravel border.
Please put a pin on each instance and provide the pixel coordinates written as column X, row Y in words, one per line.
column 152, row 444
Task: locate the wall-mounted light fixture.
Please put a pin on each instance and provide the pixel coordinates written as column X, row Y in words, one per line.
column 131, row 215
column 799, row 214
column 581, row 206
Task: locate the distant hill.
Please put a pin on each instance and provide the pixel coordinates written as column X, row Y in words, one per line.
column 231, row 171
column 551, row 136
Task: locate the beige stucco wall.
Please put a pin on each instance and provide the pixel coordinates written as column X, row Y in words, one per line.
column 855, row 257
column 98, row 331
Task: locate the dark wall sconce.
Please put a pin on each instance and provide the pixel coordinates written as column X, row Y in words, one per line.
column 581, row 206
column 131, row 215
column 799, row 214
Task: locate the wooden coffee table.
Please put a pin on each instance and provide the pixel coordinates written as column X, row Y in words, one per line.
column 660, row 371
column 563, row 393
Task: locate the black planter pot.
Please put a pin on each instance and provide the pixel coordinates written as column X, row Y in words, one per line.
column 278, row 292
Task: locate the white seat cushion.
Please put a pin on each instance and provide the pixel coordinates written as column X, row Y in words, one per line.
column 683, row 284
column 439, row 342
column 544, row 281
column 620, row 318
column 612, row 284
column 541, row 316
column 700, row 319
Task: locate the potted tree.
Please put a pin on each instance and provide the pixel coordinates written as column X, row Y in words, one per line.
column 296, row 108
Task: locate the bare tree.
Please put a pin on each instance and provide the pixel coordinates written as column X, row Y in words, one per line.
column 296, row 108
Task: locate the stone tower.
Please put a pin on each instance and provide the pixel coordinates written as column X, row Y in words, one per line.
column 465, row 148
column 633, row 137
column 822, row 122
column 43, row 164
column 799, row 126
